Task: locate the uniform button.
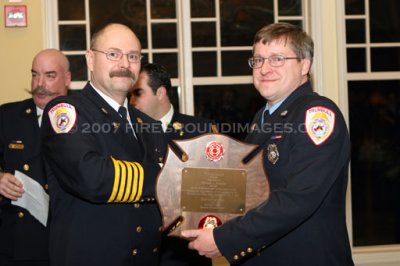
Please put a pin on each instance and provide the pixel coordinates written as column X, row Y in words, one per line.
column 134, row 252
column 139, row 229
column 26, row 167
column 242, row 253
column 236, row 257
column 46, row 186
column 249, row 250
column 21, row 215
column 136, row 205
column 155, row 250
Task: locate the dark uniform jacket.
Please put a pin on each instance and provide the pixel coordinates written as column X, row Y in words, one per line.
column 174, row 251
column 303, row 221
column 101, row 184
column 21, row 235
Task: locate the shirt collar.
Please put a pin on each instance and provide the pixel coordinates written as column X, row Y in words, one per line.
column 110, row 100
column 166, row 119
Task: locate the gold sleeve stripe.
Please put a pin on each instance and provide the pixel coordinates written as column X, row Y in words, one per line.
column 135, row 183
column 128, row 181
column 122, row 187
column 116, row 180
column 140, row 182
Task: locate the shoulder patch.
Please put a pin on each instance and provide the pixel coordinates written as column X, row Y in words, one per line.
column 320, row 122
column 62, row 117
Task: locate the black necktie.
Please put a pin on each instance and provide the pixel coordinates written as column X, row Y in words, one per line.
column 127, row 126
column 265, row 116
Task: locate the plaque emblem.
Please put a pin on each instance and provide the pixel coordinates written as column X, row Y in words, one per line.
column 214, row 151
column 273, row 153
column 209, row 221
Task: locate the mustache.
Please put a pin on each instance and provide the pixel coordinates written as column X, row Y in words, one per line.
column 123, row 73
column 41, row 91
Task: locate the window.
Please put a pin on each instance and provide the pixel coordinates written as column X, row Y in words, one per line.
column 373, row 75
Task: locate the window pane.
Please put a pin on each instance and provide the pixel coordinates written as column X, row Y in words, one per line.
column 169, row 61
column 163, row 9
column 240, row 22
column 356, row 60
column 384, row 20
column 202, row 8
column 78, row 67
column 130, row 13
column 164, row 35
column 355, row 31
column 204, row 64
column 355, row 7
column 289, row 7
column 385, row 59
column 71, row 10
column 375, row 163
column 203, row 34
column 235, row 63
column 231, row 106
column 72, row 37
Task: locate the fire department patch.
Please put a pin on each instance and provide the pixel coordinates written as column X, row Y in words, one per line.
column 320, row 122
column 214, row 151
column 209, row 221
column 62, row 117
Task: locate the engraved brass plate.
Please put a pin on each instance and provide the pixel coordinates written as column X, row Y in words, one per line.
column 213, row 190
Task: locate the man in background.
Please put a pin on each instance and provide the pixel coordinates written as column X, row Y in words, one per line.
column 152, row 95
column 23, row 239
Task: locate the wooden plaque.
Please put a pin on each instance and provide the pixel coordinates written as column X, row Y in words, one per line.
column 208, row 183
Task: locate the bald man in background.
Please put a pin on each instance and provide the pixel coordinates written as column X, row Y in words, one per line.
column 24, row 240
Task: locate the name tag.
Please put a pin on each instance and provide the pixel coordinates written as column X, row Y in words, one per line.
column 16, row 146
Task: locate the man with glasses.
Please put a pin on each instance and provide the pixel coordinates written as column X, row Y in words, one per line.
column 23, row 239
column 103, row 163
column 306, row 155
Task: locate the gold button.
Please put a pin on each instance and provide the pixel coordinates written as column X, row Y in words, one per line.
column 139, row 229
column 134, row 252
column 236, row 257
column 46, row 186
column 160, row 159
column 20, row 215
column 242, row 253
column 28, row 111
column 155, row 250
column 136, row 205
column 249, row 250
column 26, row 167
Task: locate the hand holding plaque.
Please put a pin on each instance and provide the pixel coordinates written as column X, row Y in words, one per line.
column 210, row 184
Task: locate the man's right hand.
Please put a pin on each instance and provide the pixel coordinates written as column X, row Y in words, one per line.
column 10, row 187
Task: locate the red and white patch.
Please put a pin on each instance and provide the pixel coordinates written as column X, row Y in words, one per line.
column 62, row 117
column 214, row 151
column 320, row 122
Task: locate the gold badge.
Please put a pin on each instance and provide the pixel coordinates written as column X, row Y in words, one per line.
column 104, row 110
column 273, row 153
column 284, row 113
column 139, row 120
column 28, row 111
column 177, row 126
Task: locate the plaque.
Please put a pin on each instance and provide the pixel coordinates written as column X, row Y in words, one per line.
column 205, row 181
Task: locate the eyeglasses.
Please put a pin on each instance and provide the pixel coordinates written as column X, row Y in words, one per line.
column 273, row 60
column 115, row 55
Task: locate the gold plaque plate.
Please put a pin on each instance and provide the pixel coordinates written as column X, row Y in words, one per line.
column 213, row 190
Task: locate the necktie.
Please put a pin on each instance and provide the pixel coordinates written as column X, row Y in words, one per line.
column 127, row 126
column 265, row 116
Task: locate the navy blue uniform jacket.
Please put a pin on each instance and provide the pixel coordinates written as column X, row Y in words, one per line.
column 102, row 185
column 21, row 235
column 303, row 221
